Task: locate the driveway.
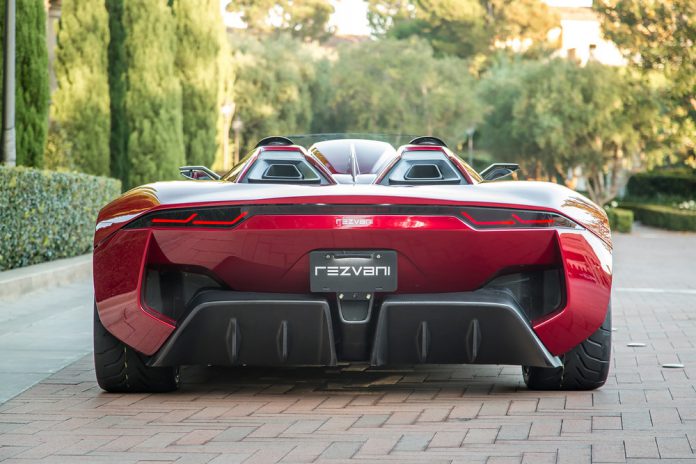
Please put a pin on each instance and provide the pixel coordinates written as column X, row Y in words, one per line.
column 645, row 413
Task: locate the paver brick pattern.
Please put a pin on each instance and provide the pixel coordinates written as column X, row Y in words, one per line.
column 434, row 414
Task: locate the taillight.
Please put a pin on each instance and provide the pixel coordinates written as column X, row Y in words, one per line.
column 192, row 217
column 497, row 218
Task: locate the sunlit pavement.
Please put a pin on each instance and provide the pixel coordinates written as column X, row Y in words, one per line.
column 645, row 413
column 41, row 333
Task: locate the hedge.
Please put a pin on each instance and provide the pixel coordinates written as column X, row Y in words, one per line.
column 660, row 186
column 48, row 215
column 620, row 220
column 664, row 217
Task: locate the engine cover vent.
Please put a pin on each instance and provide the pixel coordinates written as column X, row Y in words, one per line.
column 283, row 167
column 282, row 171
column 424, row 172
column 423, row 168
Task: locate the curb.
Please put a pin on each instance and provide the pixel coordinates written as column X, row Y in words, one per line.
column 17, row 282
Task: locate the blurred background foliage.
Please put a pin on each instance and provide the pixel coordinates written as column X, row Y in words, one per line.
column 554, row 115
column 399, row 86
column 145, row 85
column 80, row 125
column 201, row 71
column 153, row 102
column 464, row 28
column 306, row 20
column 275, row 79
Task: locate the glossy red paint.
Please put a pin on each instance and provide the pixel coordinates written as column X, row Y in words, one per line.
column 588, row 273
column 269, row 253
column 118, row 267
column 124, row 209
column 523, row 195
column 573, row 206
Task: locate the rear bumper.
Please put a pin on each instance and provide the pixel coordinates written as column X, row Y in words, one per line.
column 238, row 328
column 481, row 327
column 271, row 254
column 242, row 328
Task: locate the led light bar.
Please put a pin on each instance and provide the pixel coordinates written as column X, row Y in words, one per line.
column 503, row 218
column 221, row 217
column 231, row 216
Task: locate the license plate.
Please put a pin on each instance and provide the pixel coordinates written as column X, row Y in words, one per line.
column 352, row 271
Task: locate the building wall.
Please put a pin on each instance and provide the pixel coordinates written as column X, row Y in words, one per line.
column 581, row 36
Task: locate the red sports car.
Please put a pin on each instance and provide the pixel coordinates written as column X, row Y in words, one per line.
column 351, row 251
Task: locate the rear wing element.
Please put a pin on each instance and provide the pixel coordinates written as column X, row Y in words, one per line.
column 198, row 173
column 498, row 170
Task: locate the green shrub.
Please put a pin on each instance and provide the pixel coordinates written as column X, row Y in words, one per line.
column 664, row 217
column 662, row 186
column 117, row 91
column 155, row 137
column 200, row 39
column 48, row 215
column 620, row 220
column 80, row 104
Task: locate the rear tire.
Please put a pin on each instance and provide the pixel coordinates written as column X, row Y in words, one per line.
column 585, row 367
column 121, row 369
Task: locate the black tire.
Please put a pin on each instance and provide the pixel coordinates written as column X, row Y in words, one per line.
column 121, row 369
column 585, row 367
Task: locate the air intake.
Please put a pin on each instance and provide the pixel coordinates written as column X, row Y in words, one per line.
column 424, row 172
column 423, row 168
column 283, row 167
column 282, row 171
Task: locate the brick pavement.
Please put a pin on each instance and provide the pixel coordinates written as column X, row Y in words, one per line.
column 644, row 414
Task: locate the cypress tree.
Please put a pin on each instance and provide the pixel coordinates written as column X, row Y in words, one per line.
column 117, row 91
column 199, row 23
column 225, row 97
column 80, row 106
column 155, row 143
column 32, row 93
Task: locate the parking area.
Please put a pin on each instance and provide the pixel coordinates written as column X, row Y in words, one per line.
column 645, row 413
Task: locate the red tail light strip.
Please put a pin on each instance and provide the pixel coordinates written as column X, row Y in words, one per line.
column 532, row 221
column 221, row 223
column 487, row 223
column 477, row 217
column 487, row 218
column 222, row 217
column 175, row 221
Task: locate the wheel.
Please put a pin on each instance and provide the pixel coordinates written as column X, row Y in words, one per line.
column 585, row 367
column 121, row 369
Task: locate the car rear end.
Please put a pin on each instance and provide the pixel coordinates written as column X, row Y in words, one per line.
column 378, row 283
column 325, row 273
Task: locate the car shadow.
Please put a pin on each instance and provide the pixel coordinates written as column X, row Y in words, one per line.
column 473, row 379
